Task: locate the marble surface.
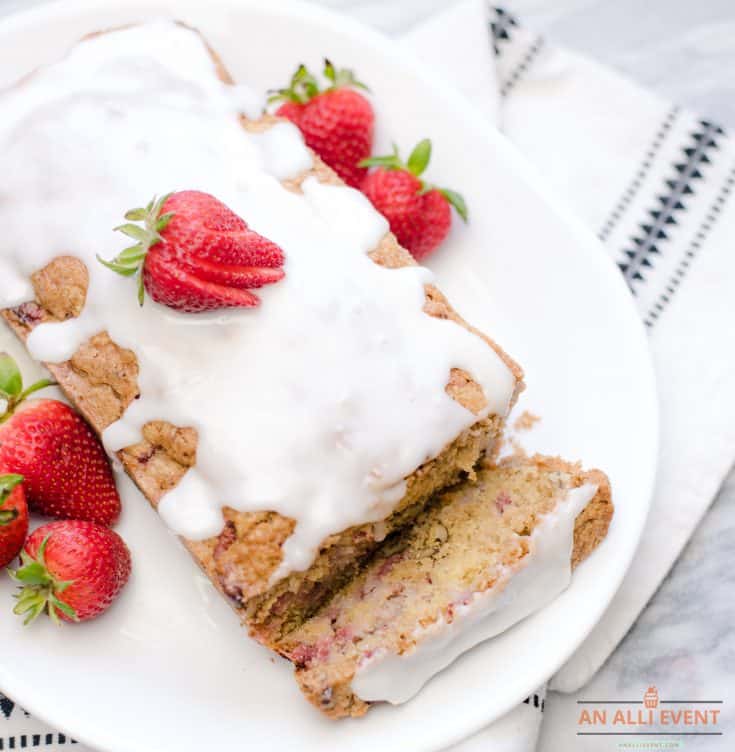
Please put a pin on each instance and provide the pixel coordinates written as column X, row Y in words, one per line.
column 684, row 641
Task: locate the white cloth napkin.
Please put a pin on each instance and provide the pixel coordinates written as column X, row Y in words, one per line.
column 654, row 182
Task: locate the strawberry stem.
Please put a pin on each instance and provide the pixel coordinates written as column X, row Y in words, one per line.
column 417, row 163
column 40, row 384
column 39, row 589
column 11, row 386
column 130, row 261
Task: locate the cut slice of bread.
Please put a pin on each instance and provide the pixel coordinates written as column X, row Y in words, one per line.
column 479, row 558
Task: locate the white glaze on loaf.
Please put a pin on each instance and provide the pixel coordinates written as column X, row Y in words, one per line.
column 317, row 404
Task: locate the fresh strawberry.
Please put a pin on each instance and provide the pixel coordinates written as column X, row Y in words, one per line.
column 194, row 254
column 72, row 570
column 336, row 123
column 13, row 517
column 66, row 471
column 418, row 212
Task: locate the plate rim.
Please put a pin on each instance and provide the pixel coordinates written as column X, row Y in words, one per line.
column 19, row 20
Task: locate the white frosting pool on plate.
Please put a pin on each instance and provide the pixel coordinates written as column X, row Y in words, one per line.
column 544, row 573
column 317, row 404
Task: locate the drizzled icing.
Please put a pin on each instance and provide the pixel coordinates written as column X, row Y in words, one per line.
column 315, row 405
column 543, row 574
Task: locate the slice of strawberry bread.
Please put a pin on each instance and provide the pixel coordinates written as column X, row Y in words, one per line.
column 480, row 558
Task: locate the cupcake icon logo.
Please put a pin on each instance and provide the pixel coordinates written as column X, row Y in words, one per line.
column 650, row 698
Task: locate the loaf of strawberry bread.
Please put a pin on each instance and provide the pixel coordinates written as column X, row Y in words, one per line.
column 479, row 558
column 282, row 443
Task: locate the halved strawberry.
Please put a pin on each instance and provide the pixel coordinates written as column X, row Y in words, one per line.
column 243, row 277
column 170, row 283
column 194, row 254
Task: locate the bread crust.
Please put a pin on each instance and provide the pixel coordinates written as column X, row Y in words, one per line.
column 101, row 380
column 593, row 522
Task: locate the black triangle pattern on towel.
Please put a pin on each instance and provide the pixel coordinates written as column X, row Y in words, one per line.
column 634, row 186
column 502, row 24
column 682, row 268
column 6, row 706
column 657, row 228
column 536, row 701
column 34, row 741
column 501, row 27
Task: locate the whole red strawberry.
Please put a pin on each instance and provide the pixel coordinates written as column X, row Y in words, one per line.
column 336, row 123
column 13, row 517
column 195, row 254
column 66, row 471
column 72, row 570
column 418, row 213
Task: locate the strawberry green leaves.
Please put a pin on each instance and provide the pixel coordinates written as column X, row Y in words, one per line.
column 39, row 590
column 11, row 386
column 419, row 158
column 8, row 484
column 416, row 164
column 341, row 77
column 390, row 161
column 302, row 88
column 456, row 200
column 129, row 262
column 11, row 381
column 304, row 85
